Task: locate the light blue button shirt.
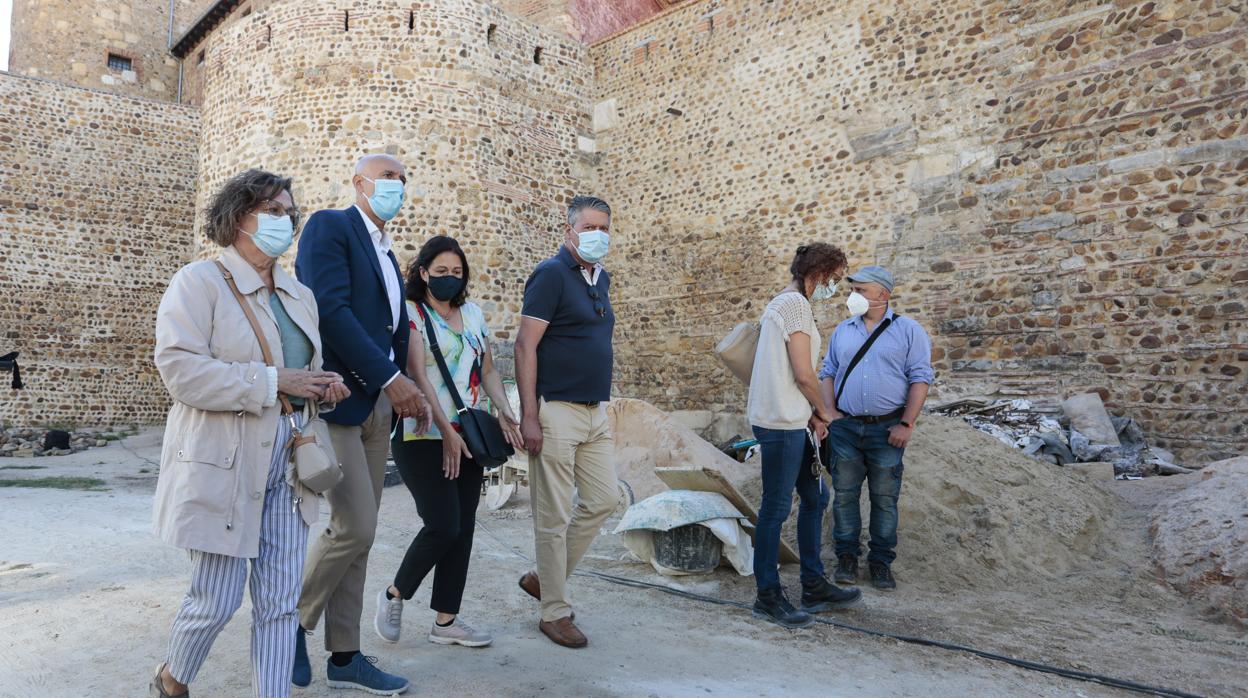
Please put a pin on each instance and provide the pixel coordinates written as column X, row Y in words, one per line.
column 901, row 356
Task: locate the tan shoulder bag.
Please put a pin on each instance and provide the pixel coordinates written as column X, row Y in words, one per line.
column 310, row 448
column 737, row 350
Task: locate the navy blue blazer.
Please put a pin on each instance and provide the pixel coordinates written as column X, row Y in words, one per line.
column 338, row 262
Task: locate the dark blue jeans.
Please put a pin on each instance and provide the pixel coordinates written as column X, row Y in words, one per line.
column 860, row 452
column 786, row 465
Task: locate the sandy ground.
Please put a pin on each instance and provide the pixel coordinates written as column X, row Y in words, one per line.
column 87, row 595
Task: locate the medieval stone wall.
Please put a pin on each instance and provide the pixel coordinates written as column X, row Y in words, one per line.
column 1059, row 187
column 70, row 41
column 485, row 110
column 96, row 204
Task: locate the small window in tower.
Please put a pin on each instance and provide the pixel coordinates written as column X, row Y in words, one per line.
column 119, row 63
column 537, row 55
column 489, row 34
column 199, row 60
column 411, row 21
column 246, row 12
column 346, row 20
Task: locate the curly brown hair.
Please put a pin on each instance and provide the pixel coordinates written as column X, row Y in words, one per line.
column 816, row 260
column 236, row 198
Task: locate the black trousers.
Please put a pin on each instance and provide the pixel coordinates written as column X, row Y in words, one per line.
column 448, row 509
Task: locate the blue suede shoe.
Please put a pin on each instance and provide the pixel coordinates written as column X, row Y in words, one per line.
column 301, row 670
column 362, row 674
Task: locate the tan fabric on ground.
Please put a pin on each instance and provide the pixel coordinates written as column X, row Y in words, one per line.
column 576, row 453
column 333, row 578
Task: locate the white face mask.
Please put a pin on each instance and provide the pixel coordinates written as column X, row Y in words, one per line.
column 857, row 304
column 823, row 292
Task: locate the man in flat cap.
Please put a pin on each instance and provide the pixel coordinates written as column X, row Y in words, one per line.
column 875, row 377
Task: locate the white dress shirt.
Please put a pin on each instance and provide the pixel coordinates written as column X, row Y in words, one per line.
column 381, row 245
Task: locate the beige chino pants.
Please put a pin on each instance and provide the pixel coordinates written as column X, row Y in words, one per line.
column 576, row 455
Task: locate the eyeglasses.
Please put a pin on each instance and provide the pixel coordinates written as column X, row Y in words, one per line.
column 598, row 307
column 274, row 208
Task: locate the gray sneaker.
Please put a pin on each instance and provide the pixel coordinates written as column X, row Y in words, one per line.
column 389, row 619
column 459, row 633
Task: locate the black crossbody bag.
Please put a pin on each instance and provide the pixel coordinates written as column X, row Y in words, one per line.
column 481, row 430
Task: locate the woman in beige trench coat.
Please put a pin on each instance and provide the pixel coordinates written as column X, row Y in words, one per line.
column 227, row 491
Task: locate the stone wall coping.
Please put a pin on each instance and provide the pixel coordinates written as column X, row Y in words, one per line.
column 134, row 98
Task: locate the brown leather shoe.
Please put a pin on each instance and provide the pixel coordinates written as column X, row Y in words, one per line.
column 563, row 632
column 531, row 585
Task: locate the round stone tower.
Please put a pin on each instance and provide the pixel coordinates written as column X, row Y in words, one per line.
column 483, row 109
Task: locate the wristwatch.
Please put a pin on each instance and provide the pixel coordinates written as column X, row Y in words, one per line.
column 906, row 424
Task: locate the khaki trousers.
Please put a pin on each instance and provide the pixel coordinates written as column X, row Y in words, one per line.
column 333, row 577
column 576, row 454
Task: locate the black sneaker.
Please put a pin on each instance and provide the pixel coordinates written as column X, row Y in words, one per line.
column 846, row 569
column 822, row 595
column 882, row 577
column 773, row 606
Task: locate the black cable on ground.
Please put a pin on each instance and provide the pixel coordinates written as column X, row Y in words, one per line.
column 1014, row 661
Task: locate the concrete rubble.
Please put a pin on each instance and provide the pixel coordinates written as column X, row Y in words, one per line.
column 1080, row 431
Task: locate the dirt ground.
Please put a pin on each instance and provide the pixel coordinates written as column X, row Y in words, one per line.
column 87, row 595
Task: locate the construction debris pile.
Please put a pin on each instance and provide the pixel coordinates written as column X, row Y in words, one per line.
column 1080, row 431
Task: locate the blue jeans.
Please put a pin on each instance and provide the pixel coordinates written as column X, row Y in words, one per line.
column 786, row 465
column 861, row 451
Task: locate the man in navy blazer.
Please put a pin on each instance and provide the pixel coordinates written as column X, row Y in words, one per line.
column 345, row 258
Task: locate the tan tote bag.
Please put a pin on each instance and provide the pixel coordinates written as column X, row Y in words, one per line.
column 738, row 348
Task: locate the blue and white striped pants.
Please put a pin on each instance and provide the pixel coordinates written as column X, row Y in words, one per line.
column 217, row 583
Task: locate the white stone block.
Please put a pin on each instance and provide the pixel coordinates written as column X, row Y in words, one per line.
column 586, row 145
column 129, row 76
column 606, row 115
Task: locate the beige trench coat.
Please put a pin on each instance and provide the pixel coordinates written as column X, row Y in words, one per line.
column 218, row 442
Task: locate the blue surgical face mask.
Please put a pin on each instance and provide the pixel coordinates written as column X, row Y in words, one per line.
column 387, row 197
column 274, row 234
column 593, row 245
column 823, row 292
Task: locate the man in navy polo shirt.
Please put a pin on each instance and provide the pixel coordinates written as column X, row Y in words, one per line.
column 563, row 367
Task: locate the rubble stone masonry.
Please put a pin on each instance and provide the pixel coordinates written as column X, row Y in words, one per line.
column 484, row 109
column 1061, row 189
column 96, row 203
column 70, row 41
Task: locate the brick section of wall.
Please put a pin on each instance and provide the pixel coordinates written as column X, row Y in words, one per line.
column 489, row 136
column 587, row 20
column 96, row 197
column 69, row 41
column 1061, row 189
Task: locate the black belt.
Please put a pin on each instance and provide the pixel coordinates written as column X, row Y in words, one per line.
column 874, row 419
column 590, row 405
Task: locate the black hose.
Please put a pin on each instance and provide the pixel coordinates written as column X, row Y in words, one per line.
column 1021, row 663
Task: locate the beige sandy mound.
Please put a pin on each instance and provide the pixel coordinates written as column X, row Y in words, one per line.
column 974, row 511
column 1200, row 539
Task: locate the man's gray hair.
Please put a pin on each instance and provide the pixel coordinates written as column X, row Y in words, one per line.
column 583, row 202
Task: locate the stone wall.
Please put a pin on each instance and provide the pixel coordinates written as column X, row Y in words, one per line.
column 1059, row 187
column 69, row 41
column 96, row 196
column 487, row 126
column 587, row 20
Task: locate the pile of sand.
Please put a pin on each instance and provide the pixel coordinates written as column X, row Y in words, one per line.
column 972, row 510
column 1200, row 539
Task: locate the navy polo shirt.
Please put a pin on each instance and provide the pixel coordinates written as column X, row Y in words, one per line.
column 574, row 358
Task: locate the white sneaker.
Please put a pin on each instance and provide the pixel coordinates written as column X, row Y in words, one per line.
column 389, row 619
column 459, row 633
